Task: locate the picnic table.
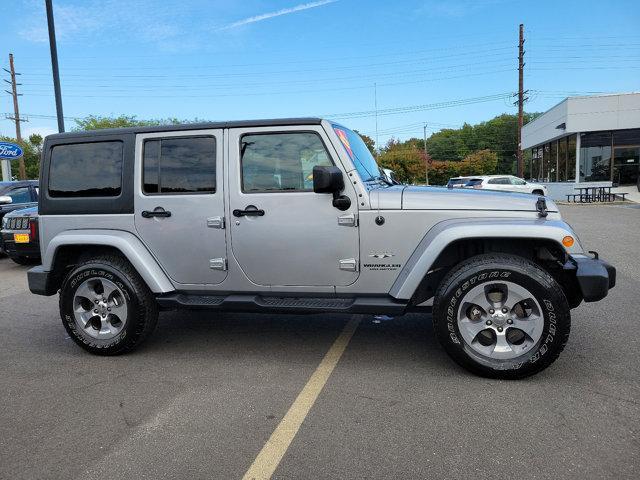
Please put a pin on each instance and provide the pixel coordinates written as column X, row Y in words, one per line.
column 595, row 194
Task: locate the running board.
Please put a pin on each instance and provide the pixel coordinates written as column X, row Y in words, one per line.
column 263, row 303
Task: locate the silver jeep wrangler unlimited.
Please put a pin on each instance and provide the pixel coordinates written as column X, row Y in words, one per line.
column 294, row 216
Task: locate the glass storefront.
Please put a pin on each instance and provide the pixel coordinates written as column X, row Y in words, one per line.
column 554, row 161
column 604, row 156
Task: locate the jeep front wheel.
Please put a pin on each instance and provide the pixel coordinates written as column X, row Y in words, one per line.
column 501, row 316
column 106, row 307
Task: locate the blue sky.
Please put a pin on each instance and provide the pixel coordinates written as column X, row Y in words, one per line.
column 223, row 60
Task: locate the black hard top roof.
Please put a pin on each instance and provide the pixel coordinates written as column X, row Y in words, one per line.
column 278, row 122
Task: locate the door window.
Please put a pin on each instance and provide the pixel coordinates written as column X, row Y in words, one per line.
column 179, row 165
column 20, row 195
column 277, row 162
column 517, row 181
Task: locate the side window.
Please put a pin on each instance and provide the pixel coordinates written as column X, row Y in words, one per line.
column 281, row 161
column 179, row 165
column 86, row 170
column 517, row 181
column 20, row 195
column 499, row 181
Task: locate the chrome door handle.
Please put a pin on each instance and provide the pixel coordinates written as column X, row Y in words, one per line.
column 156, row 213
column 249, row 211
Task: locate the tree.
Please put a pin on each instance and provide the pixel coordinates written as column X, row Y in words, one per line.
column 32, row 150
column 368, row 141
column 94, row 122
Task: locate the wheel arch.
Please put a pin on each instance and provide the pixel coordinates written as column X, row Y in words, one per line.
column 451, row 241
column 67, row 248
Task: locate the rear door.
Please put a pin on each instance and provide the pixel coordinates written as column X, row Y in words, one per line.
column 179, row 203
column 294, row 237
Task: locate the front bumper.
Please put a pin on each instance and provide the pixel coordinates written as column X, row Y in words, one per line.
column 594, row 276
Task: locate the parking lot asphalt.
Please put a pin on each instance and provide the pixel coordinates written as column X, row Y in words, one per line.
column 204, row 394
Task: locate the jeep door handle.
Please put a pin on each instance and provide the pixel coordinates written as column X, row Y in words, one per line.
column 249, row 211
column 156, row 213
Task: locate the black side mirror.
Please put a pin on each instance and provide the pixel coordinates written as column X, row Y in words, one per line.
column 329, row 180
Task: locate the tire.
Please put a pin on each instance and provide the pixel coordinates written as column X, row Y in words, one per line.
column 25, row 260
column 537, row 192
column 544, row 315
column 106, row 333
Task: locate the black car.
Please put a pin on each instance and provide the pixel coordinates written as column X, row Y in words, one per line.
column 15, row 196
column 20, row 236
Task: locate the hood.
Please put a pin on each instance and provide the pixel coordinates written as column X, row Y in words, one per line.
column 439, row 198
column 23, row 212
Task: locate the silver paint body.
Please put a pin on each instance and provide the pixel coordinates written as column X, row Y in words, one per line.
column 302, row 244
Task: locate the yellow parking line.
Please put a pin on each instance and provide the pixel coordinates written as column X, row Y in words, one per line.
column 271, row 454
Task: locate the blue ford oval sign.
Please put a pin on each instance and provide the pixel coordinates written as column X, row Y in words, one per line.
column 10, row 151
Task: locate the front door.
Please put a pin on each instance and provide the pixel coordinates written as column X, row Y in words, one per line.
column 179, row 205
column 282, row 233
column 626, row 165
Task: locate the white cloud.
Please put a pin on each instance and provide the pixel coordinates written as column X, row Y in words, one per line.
column 278, row 13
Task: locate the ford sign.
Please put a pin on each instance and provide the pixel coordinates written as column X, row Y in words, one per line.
column 10, row 151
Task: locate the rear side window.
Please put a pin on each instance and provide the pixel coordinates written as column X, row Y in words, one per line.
column 473, row 182
column 499, row 181
column 281, row 161
column 20, row 195
column 179, row 165
column 86, row 170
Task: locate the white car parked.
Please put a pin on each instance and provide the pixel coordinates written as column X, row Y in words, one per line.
column 508, row 183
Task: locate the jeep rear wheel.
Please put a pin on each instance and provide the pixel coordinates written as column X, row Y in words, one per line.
column 501, row 316
column 106, row 307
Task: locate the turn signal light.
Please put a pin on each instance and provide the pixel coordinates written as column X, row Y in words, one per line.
column 568, row 241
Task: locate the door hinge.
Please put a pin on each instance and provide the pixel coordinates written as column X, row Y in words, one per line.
column 348, row 220
column 215, row 222
column 218, row 264
column 348, row 264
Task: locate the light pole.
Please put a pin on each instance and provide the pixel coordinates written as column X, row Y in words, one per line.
column 54, row 65
column 426, row 158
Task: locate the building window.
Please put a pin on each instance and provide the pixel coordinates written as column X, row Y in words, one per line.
column 552, row 172
column 595, row 156
column 571, row 158
column 562, row 160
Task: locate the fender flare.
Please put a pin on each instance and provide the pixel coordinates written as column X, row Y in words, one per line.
column 446, row 232
column 127, row 243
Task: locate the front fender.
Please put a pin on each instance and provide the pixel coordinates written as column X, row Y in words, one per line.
column 444, row 233
column 128, row 244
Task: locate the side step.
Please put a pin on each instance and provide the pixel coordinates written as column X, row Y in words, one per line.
column 262, row 303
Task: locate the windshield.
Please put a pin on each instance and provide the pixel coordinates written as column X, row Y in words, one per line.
column 359, row 153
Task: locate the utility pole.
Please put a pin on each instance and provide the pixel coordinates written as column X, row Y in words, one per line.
column 520, row 100
column 16, row 111
column 54, row 65
column 426, row 156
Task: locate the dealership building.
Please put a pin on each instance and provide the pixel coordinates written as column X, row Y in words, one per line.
column 584, row 141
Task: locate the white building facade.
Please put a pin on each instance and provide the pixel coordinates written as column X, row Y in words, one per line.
column 585, row 140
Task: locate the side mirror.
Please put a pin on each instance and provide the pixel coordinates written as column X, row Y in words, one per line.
column 329, row 180
column 5, row 200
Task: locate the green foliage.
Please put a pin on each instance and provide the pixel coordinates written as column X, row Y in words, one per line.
column 94, row 122
column 486, row 148
column 32, row 149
